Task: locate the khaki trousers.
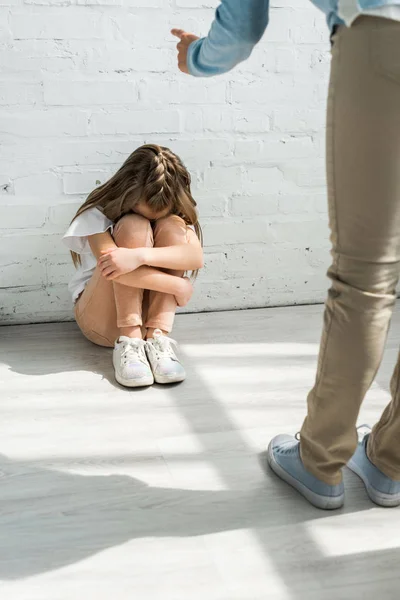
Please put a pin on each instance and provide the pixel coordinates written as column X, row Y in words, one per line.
column 363, row 170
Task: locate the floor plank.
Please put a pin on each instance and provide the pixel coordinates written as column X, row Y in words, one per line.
column 164, row 493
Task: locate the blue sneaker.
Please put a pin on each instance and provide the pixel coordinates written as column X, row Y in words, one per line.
column 382, row 490
column 284, row 459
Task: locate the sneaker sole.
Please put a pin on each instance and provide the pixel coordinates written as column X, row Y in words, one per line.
column 323, row 502
column 379, row 498
column 164, row 379
column 134, row 383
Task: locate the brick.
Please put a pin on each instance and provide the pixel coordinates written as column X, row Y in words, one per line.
column 6, row 185
column 134, row 27
column 85, row 153
column 272, row 90
column 300, row 234
column 65, row 23
column 254, row 121
column 35, row 304
column 36, row 55
column 228, row 179
column 306, row 30
column 246, row 150
column 124, row 59
column 20, row 94
column 60, row 272
column 84, row 182
column 304, row 174
column 298, row 120
column 15, row 216
column 49, row 2
column 202, row 150
column 224, row 232
column 253, row 206
column 62, row 214
column 148, row 3
column 38, row 185
column 278, row 30
column 133, row 121
column 215, row 266
column 292, row 204
column 263, row 180
column 217, row 119
column 100, row 2
column 211, row 204
column 193, row 91
column 18, row 273
column 195, row 3
column 88, row 93
column 44, row 123
column 23, row 245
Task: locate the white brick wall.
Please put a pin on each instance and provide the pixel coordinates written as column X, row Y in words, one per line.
column 83, row 82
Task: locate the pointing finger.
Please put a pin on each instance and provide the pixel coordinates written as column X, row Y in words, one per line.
column 179, row 33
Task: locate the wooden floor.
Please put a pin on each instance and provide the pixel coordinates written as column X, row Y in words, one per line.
column 163, row 494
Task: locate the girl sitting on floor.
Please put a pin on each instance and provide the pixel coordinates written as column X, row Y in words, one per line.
column 132, row 241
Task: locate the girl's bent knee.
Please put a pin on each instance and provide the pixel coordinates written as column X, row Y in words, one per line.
column 133, row 231
column 172, row 222
column 171, row 230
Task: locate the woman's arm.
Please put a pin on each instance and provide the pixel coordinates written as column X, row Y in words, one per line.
column 144, row 277
column 238, row 26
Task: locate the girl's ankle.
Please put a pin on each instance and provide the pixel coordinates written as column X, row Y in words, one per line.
column 131, row 332
column 151, row 330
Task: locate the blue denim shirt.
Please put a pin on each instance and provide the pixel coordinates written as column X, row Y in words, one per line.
column 240, row 24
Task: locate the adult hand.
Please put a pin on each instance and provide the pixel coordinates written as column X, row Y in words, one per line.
column 183, row 46
column 118, row 261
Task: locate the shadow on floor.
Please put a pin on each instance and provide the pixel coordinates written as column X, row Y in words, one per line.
column 49, row 519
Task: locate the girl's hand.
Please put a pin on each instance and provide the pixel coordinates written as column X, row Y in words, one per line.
column 185, row 293
column 118, row 261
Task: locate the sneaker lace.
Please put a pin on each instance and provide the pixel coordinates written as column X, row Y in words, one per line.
column 133, row 351
column 162, row 346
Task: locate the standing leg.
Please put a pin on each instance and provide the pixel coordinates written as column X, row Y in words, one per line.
column 384, row 443
column 363, row 154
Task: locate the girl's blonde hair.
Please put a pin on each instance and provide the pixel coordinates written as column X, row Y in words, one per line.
column 151, row 174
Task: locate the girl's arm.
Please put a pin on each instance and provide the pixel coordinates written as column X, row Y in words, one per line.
column 100, row 242
column 143, row 277
column 188, row 257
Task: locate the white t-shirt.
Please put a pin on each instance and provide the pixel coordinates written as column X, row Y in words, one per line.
column 349, row 11
column 76, row 239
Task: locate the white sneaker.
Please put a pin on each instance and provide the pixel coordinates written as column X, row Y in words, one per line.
column 163, row 360
column 130, row 363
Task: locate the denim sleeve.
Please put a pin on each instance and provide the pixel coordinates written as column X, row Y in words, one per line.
column 237, row 27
